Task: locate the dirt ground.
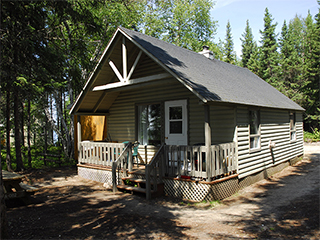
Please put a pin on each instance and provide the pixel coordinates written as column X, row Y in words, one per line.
column 285, row 206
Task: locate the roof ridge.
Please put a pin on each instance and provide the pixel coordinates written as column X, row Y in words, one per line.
column 157, row 39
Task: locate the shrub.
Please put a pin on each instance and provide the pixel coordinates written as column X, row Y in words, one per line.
column 312, row 137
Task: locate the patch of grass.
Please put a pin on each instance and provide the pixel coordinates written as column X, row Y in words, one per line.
column 215, row 203
column 207, row 204
column 313, row 136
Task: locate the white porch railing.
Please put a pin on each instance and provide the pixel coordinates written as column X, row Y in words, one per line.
column 177, row 161
column 99, row 153
column 191, row 161
column 170, row 160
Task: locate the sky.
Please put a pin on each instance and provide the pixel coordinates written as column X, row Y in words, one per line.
column 238, row 11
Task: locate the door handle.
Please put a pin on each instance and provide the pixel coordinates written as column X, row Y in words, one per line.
column 166, row 137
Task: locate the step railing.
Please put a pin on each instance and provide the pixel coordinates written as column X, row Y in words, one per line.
column 154, row 172
column 122, row 164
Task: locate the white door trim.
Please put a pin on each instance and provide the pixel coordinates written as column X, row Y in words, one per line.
column 176, row 138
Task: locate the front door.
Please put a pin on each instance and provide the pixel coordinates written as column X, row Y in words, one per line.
column 176, row 122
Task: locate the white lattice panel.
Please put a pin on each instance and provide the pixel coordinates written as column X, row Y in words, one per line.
column 186, row 190
column 98, row 175
column 198, row 192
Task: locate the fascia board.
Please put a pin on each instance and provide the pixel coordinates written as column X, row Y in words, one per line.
column 93, row 74
column 163, row 66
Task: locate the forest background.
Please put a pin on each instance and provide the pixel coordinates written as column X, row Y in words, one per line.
column 48, row 49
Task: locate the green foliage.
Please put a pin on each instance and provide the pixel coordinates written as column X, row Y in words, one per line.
column 185, row 23
column 313, row 136
column 48, row 50
column 229, row 55
column 268, row 50
column 37, row 161
column 291, row 61
column 254, row 62
column 248, row 46
column 311, row 77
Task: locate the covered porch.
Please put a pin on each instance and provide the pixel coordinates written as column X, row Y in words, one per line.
column 187, row 163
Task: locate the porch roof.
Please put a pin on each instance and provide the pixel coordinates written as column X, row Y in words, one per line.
column 210, row 80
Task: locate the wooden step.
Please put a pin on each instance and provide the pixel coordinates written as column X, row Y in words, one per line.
column 133, row 189
column 138, row 188
column 136, row 180
column 138, row 172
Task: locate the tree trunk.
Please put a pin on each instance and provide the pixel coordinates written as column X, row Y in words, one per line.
column 62, row 117
column 29, row 133
column 3, row 212
column 45, row 141
column 8, row 128
column 21, row 111
column 17, row 136
column 66, row 139
column 51, row 129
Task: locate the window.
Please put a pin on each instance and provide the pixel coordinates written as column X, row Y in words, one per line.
column 292, row 118
column 175, row 120
column 254, row 122
column 149, row 124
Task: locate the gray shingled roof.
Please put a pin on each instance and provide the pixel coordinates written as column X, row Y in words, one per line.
column 214, row 80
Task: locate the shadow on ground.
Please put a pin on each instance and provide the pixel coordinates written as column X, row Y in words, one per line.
column 281, row 216
column 70, row 212
column 287, row 207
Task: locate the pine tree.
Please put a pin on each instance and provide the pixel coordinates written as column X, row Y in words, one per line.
column 312, row 71
column 290, row 67
column 50, row 47
column 254, row 60
column 247, row 45
column 229, row 55
column 268, row 51
column 285, row 52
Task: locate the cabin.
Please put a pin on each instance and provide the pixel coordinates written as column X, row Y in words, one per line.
column 160, row 119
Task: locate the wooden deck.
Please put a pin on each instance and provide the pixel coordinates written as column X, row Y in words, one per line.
column 198, row 163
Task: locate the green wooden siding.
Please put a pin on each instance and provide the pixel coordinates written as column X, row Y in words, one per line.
column 121, row 118
column 222, row 120
column 274, row 127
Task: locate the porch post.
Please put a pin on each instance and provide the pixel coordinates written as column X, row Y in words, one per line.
column 130, row 160
column 79, row 136
column 207, row 133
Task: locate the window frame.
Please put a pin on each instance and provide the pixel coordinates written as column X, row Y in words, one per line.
column 254, row 135
column 292, row 129
column 138, row 118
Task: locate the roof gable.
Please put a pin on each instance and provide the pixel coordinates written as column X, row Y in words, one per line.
column 109, row 77
column 210, row 80
column 214, row 80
